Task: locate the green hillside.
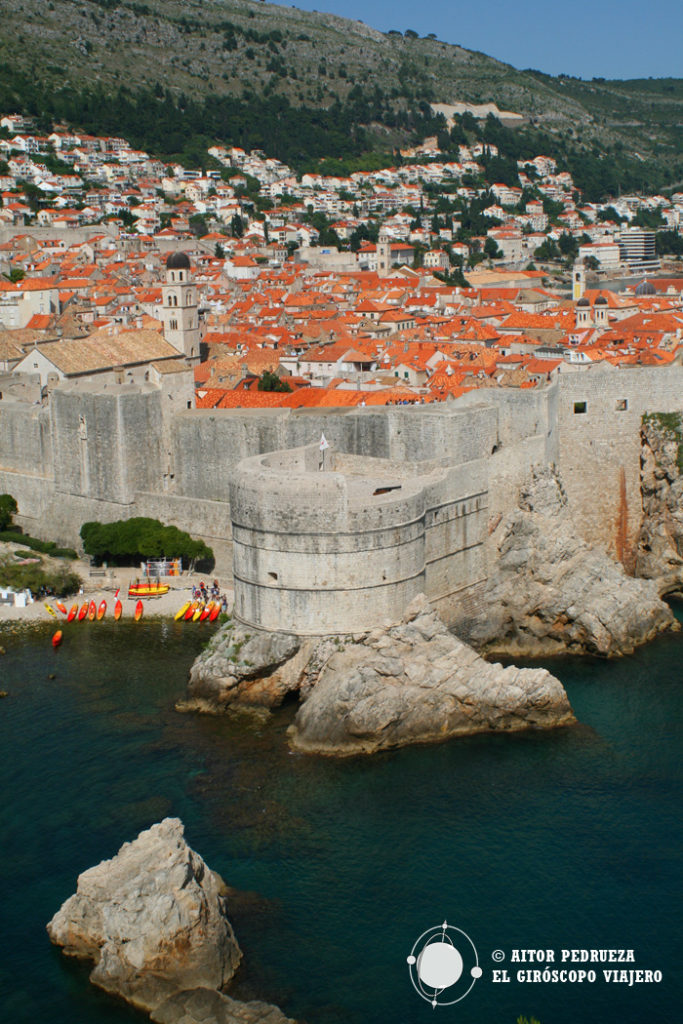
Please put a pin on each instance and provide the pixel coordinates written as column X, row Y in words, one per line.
column 174, row 74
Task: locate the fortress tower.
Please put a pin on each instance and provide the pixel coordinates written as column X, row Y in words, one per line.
column 180, row 312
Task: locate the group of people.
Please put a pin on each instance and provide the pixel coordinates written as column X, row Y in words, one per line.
column 212, row 593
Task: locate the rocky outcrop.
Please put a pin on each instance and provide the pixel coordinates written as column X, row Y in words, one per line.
column 206, row 1006
column 416, row 683
column 659, row 549
column 154, row 921
column 549, row 592
column 243, row 666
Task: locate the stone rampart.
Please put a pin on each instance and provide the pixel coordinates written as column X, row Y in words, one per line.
column 348, row 547
column 117, row 452
column 600, row 416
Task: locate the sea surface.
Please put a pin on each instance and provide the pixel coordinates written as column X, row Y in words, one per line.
column 549, row 840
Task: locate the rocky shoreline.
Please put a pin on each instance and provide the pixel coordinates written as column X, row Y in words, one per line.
column 548, row 593
column 413, row 682
column 154, row 922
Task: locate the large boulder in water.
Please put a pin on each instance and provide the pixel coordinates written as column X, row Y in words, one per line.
column 416, row 683
column 153, row 919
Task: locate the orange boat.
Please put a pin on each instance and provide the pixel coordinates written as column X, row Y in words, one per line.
column 190, row 611
column 101, row 610
column 92, row 611
column 73, row 612
column 207, row 611
column 139, row 608
column 118, row 610
column 57, row 638
column 60, row 607
column 215, row 611
column 150, row 588
column 83, row 612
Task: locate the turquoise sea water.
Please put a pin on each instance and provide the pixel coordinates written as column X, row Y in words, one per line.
column 558, row 839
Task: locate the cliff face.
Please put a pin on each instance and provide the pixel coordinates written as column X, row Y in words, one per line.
column 659, row 550
column 549, row 592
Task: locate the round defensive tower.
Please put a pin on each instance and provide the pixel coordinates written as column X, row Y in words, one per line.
column 344, row 547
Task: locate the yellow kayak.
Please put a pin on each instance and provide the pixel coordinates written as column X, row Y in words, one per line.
column 179, row 614
column 200, row 609
column 50, row 609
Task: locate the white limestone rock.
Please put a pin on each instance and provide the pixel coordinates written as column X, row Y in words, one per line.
column 417, row 683
column 659, row 551
column 550, row 592
column 153, row 919
column 243, row 666
column 206, row 1006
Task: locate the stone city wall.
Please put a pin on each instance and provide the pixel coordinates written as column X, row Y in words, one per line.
column 130, row 457
column 600, row 416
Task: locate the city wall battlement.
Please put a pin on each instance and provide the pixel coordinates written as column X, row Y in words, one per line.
column 122, row 451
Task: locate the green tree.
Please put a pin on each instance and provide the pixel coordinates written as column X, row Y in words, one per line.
column 127, row 540
column 8, row 507
column 237, row 226
column 491, row 249
column 219, row 251
column 649, row 219
column 568, row 245
column 198, row 225
column 669, row 243
column 269, row 381
column 609, row 213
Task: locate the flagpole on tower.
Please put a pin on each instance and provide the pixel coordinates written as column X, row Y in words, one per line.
column 324, row 443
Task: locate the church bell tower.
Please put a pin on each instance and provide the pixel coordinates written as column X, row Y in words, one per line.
column 180, row 311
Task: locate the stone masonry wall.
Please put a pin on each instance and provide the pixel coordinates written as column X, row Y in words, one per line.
column 600, row 417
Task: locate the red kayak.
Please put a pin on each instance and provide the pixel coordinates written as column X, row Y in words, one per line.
column 57, row 638
column 139, row 608
column 118, row 610
column 73, row 612
column 83, row 612
column 92, row 611
column 101, row 610
column 60, row 607
column 215, row 611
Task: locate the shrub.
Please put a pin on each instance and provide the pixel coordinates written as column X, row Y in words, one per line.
column 45, row 547
column 33, row 577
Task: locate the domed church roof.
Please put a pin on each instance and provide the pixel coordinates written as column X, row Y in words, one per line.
column 178, row 261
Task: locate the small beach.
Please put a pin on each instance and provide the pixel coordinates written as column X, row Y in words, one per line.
column 102, row 584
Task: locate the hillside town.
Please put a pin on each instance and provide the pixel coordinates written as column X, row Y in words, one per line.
column 272, row 289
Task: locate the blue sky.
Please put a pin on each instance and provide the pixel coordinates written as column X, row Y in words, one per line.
column 587, row 38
